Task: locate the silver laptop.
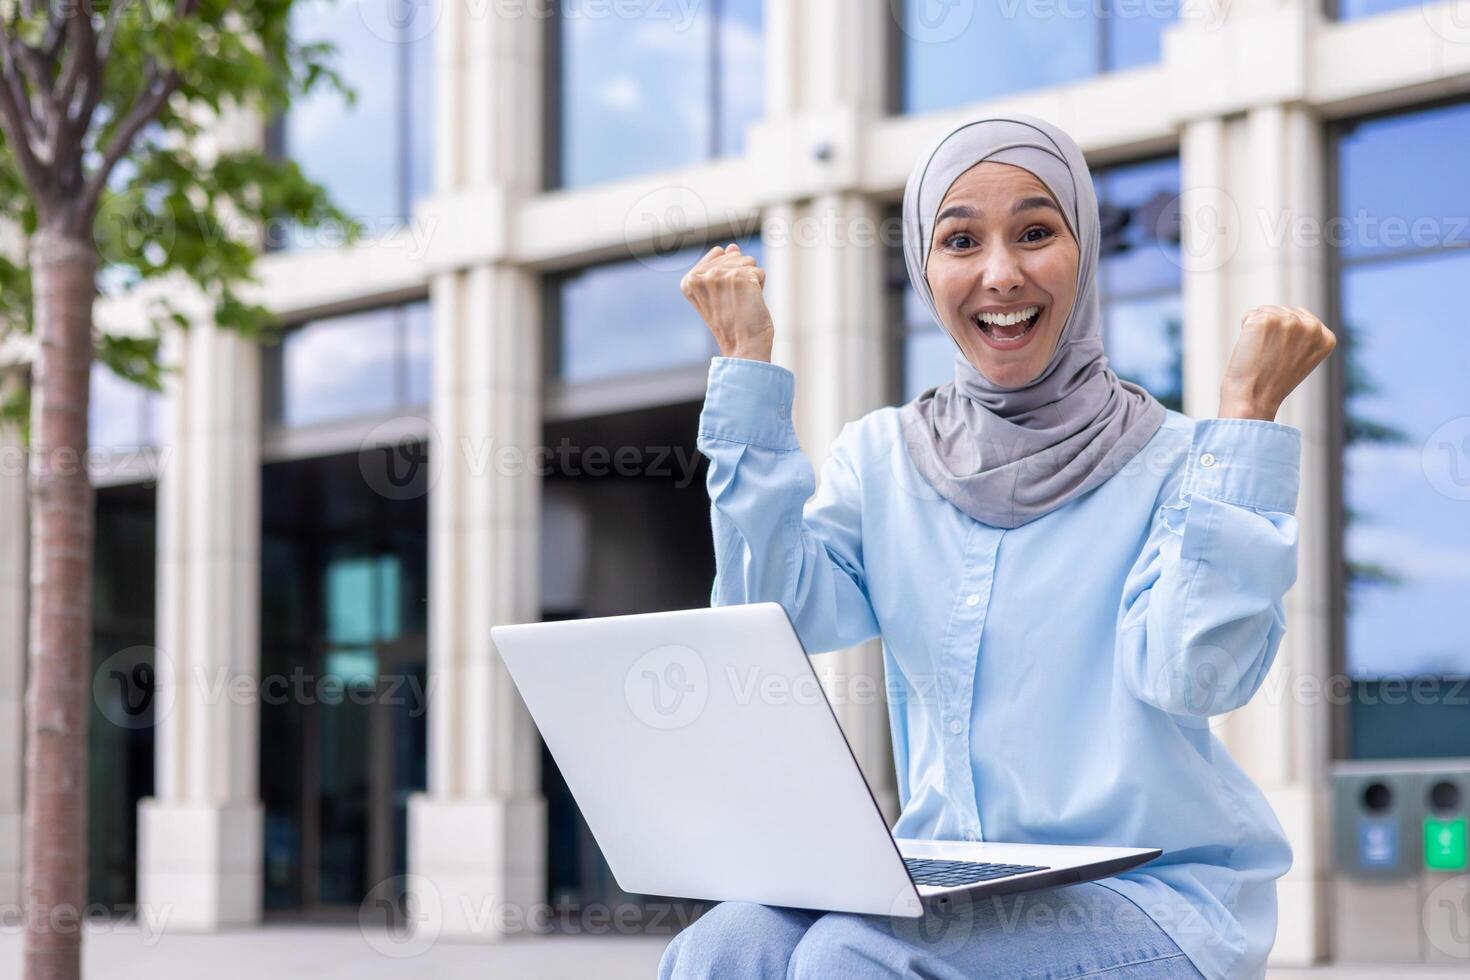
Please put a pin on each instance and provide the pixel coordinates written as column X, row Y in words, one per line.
column 709, row 765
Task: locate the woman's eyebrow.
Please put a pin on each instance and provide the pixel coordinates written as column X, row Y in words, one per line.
column 1024, row 204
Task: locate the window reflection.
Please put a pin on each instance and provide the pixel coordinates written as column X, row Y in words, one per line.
column 359, row 364
column 953, row 54
column 120, row 414
column 630, row 317
column 1139, row 282
column 375, row 155
column 1353, row 9
column 1139, row 279
column 1406, row 468
column 674, row 85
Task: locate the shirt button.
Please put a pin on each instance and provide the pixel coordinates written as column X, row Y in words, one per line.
column 1208, row 459
column 956, row 727
column 972, row 600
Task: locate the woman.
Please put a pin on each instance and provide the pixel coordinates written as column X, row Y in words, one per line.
column 1068, row 580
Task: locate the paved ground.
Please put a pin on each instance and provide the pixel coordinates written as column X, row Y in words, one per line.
column 305, row 952
column 301, row 952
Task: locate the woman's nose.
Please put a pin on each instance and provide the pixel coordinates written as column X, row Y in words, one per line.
column 999, row 271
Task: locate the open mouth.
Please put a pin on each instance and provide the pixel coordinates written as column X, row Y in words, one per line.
column 1008, row 330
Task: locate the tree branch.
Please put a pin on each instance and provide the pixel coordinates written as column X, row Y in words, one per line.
column 114, row 17
column 82, row 65
column 156, row 91
column 79, row 28
column 16, row 115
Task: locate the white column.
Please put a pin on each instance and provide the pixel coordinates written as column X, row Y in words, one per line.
column 826, row 268
column 477, row 836
column 1263, row 172
column 199, row 835
column 825, row 281
column 13, row 536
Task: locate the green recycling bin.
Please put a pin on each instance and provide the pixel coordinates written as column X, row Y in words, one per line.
column 1444, row 878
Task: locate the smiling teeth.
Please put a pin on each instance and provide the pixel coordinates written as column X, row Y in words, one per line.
column 1008, row 319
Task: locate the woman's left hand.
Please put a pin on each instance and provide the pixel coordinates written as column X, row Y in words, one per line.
column 1276, row 350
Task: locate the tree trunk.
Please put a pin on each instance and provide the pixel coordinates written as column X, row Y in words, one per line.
column 64, row 273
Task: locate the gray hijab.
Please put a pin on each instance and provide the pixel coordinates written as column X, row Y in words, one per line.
column 1008, row 455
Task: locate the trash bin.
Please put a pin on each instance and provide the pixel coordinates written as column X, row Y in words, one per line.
column 1378, row 827
column 1444, row 877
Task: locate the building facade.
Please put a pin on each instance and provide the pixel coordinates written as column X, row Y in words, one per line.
column 484, row 412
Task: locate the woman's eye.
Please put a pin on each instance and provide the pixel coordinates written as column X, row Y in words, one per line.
column 1042, row 234
column 958, row 236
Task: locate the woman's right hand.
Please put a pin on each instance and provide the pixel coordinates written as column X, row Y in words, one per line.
column 726, row 286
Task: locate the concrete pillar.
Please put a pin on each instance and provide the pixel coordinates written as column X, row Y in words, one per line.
column 1261, row 172
column 825, row 285
column 477, row 836
column 199, row 835
column 13, row 539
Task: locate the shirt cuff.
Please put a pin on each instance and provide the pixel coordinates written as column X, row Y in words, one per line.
column 1250, row 462
column 750, row 402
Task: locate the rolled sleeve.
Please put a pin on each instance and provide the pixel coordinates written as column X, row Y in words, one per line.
column 1248, row 462
column 749, row 402
column 1204, row 603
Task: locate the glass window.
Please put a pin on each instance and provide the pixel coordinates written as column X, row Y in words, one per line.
column 374, row 156
column 120, row 414
column 956, row 53
column 1405, row 429
column 670, row 86
column 344, row 599
column 120, row 736
column 359, row 364
column 1139, row 283
column 1353, row 9
column 1139, row 279
column 629, row 317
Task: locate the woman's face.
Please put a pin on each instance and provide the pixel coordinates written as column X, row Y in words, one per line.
column 1003, row 270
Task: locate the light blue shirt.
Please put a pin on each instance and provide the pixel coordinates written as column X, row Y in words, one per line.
column 1051, row 683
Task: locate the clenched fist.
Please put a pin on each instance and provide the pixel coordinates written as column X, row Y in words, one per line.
column 726, row 288
column 1277, row 348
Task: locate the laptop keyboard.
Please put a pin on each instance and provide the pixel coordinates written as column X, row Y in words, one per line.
column 926, row 871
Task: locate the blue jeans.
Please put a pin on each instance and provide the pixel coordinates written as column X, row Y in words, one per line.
column 1081, row 930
